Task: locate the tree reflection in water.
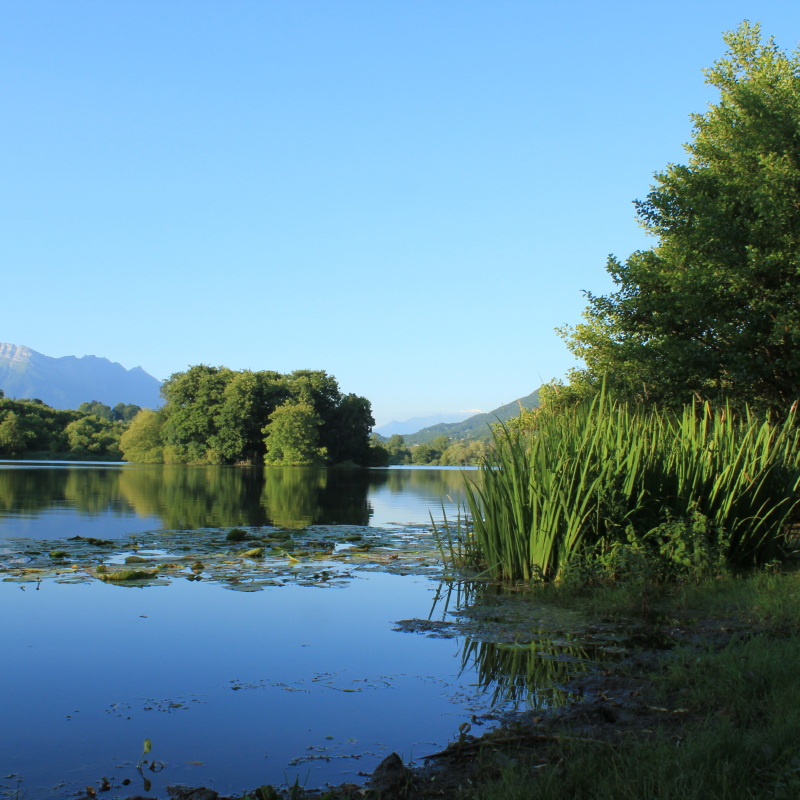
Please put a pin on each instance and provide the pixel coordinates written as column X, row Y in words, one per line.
column 195, row 497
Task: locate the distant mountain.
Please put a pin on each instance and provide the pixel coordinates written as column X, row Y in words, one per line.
column 476, row 427
column 69, row 381
column 416, row 423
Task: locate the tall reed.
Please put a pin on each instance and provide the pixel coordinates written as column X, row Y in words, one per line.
column 603, row 471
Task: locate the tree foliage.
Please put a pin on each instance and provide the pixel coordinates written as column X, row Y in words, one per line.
column 142, row 441
column 441, row 452
column 215, row 415
column 378, row 454
column 29, row 427
column 398, row 452
column 292, row 437
column 713, row 310
column 94, row 435
column 12, row 440
column 120, row 413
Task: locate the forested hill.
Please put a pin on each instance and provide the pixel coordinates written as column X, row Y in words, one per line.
column 69, row 381
column 476, row 427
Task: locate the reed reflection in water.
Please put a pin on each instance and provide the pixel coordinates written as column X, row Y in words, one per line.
column 532, row 673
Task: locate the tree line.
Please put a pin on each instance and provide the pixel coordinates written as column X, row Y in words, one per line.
column 31, row 428
column 441, row 452
column 216, row 415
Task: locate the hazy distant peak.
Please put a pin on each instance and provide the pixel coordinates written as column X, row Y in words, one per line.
column 416, row 423
column 476, row 426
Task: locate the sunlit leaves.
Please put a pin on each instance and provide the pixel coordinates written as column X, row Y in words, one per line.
column 713, row 310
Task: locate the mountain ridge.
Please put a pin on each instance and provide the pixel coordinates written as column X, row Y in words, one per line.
column 68, row 381
column 415, row 424
column 476, row 426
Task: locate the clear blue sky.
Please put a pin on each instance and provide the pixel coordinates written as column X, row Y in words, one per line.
column 410, row 195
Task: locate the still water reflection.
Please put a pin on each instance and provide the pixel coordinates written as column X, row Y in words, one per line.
column 235, row 689
column 49, row 501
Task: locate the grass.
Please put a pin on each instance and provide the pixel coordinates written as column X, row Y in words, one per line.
column 745, row 740
column 760, row 597
column 747, row 746
column 457, row 545
column 683, row 486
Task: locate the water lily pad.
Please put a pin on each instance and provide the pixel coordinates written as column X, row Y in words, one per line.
column 304, row 558
column 129, row 575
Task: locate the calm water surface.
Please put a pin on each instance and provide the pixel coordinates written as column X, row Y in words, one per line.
column 46, row 501
column 234, row 689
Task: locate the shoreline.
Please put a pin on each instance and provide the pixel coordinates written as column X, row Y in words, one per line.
column 625, row 708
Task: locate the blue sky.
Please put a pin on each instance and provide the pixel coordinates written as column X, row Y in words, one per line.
column 410, row 195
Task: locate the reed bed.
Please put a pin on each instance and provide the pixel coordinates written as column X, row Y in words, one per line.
column 605, row 473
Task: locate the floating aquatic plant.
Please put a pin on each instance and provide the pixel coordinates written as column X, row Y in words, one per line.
column 148, row 746
column 129, row 575
column 171, row 554
column 136, row 560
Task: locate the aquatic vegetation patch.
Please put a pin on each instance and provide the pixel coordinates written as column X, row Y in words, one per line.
column 686, row 491
column 136, row 560
column 322, row 556
column 236, row 535
column 124, row 575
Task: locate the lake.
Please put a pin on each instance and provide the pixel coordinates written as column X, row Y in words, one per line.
column 242, row 667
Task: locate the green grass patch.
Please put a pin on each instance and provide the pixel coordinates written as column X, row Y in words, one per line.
column 755, row 597
column 746, row 746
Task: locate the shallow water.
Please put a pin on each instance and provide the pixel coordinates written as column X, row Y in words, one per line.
column 301, row 674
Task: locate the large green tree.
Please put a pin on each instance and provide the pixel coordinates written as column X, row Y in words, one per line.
column 292, row 436
column 12, row 439
column 399, row 453
column 193, row 400
column 214, row 415
column 713, row 309
column 142, row 442
column 247, row 401
column 94, row 435
column 346, row 434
